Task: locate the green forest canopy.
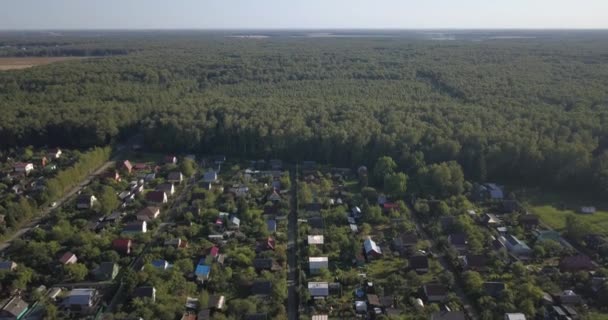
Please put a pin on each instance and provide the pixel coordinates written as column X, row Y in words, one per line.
column 527, row 110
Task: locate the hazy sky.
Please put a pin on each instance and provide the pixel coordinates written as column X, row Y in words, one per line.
column 265, row 14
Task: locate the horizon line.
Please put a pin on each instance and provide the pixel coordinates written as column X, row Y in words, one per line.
column 313, row 29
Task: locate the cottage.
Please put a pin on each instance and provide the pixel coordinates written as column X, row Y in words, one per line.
column 474, row 262
column 85, row 202
column 269, row 264
column 529, row 221
column 123, row 246
column 448, row 315
column 458, row 241
column 234, row 222
column 23, row 167
column 435, row 292
column 145, row 292
column 356, row 212
column 148, row 214
column 274, row 196
column 8, row 266
column 141, row 167
column 14, row 308
column 316, row 223
column 576, row 263
column 106, row 271
column 419, row 263
column 239, row 191
column 126, row 166
column 126, row 196
column 361, row 307
column 167, row 188
column 587, row 210
column 210, row 177
column 493, row 288
column 135, row 228
column 156, row 197
column 405, row 241
column 315, row 264
column 546, row 235
column 176, row 243
column 271, row 225
column 54, row 153
column 318, row 289
column 202, row 271
column 516, row 246
column 490, row 219
column 149, row 177
column 81, row 301
column 261, row 287
column 170, row 159
column 495, row 192
column 569, row 297
column 112, row 175
column 515, row 316
column 315, row 240
column 372, row 250
column 68, row 258
column 320, row 317
column 265, row 245
column 161, row 264
column 175, row 177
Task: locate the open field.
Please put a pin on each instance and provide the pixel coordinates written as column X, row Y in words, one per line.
column 28, row 62
column 553, row 207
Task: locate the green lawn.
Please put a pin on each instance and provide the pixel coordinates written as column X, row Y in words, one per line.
column 553, row 207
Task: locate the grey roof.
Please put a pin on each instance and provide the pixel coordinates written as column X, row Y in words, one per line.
column 15, row 306
column 81, row 297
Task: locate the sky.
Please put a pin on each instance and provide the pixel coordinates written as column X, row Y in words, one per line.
column 302, row 14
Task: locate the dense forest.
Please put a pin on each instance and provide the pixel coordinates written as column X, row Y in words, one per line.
column 527, row 110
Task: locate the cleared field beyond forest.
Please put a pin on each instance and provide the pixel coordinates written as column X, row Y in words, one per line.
column 28, row 62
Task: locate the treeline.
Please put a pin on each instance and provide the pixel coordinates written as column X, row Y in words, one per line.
column 528, row 111
column 69, row 178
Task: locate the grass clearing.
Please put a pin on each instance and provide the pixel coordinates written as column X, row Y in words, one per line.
column 553, row 208
column 29, row 62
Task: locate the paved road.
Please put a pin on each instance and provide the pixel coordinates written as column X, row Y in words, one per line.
column 292, row 251
column 46, row 211
column 466, row 303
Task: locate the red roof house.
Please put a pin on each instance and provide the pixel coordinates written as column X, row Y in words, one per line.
column 123, row 245
column 68, row 258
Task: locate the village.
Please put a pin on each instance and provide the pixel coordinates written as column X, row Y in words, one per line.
column 205, row 237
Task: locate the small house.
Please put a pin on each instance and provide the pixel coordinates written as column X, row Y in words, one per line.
column 435, row 292
column 315, row 264
column 202, row 271
column 458, row 241
column 68, row 258
column 112, row 175
column 494, row 288
column 156, row 197
column 234, row 222
column 167, row 188
column 266, row 244
column 210, row 177
column 315, row 240
column 161, row 264
column 576, row 263
column 54, row 153
column 175, row 177
column 126, row 166
column 587, row 210
column 490, row 219
column 261, row 264
column 474, row 262
column 529, row 221
column 569, row 297
column 274, row 196
column 14, row 308
column 372, row 250
column 419, row 263
column 145, row 292
column 23, row 167
column 318, row 289
column 261, row 288
column 515, row 316
column 8, row 266
column 271, row 225
column 141, row 167
column 170, row 159
column 148, row 214
column 135, row 228
column 85, row 201
column 106, row 271
column 404, row 241
column 239, row 191
column 81, row 301
column 123, row 246
column 176, row 243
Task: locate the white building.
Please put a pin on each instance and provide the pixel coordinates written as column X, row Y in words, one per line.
column 315, row 264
